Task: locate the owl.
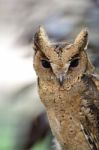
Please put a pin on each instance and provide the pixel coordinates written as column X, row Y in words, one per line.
column 69, row 90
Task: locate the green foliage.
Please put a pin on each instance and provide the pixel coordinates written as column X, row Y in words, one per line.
column 43, row 144
column 5, row 139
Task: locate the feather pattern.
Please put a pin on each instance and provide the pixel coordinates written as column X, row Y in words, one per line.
column 90, row 109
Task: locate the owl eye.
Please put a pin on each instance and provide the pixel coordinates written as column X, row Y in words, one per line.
column 45, row 63
column 74, row 63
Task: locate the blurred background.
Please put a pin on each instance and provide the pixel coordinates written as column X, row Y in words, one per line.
column 23, row 122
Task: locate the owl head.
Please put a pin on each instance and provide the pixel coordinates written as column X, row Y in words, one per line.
column 61, row 61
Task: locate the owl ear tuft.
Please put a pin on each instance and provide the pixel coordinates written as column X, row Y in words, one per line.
column 41, row 41
column 81, row 40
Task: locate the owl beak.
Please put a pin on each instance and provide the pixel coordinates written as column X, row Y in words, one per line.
column 60, row 72
column 61, row 76
column 61, row 79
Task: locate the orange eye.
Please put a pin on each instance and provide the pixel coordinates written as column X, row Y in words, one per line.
column 45, row 63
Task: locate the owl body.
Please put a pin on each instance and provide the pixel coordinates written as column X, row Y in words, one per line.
column 63, row 107
column 68, row 91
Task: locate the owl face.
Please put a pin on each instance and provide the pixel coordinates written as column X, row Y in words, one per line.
column 60, row 62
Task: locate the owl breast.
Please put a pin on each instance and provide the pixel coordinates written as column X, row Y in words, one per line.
column 63, row 110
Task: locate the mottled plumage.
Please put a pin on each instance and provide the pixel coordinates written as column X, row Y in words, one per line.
column 69, row 90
